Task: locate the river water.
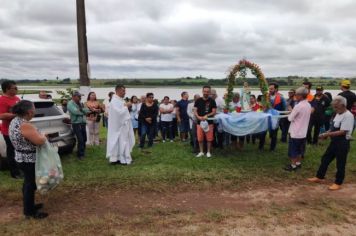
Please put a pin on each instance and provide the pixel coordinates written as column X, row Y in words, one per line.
column 159, row 92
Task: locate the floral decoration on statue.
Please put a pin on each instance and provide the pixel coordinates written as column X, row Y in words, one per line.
column 241, row 70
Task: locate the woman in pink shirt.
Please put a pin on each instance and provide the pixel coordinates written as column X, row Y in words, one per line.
column 299, row 118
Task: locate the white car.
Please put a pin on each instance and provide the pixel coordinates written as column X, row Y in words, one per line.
column 51, row 120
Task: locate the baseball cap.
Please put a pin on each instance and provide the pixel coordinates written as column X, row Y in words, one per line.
column 291, row 91
column 346, row 83
column 77, row 94
column 319, row 88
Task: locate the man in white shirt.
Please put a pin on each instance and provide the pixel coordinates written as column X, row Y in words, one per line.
column 339, row 147
column 121, row 137
column 220, row 102
column 166, row 110
column 220, row 105
column 193, row 124
column 235, row 104
column 299, row 118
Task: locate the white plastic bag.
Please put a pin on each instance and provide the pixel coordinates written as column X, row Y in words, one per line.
column 204, row 125
column 49, row 172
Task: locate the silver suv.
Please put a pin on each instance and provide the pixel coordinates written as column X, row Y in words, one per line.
column 51, row 120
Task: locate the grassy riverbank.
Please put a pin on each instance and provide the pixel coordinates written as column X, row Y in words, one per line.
column 168, row 191
column 169, row 166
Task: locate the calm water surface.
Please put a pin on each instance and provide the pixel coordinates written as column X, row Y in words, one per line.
column 159, row 93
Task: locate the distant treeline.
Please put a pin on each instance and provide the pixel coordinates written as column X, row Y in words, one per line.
column 282, row 81
column 187, row 81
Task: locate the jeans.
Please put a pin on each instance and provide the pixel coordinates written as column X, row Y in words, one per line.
column 184, row 126
column 284, row 125
column 28, row 188
column 167, row 129
column 105, row 122
column 139, row 128
column 273, row 136
column 218, row 137
column 251, row 137
column 194, row 138
column 175, row 127
column 10, row 154
column 337, row 149
column 316, row 123
column 149, row 130
column 81, row 134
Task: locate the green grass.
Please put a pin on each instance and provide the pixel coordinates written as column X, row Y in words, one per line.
column 172, row 166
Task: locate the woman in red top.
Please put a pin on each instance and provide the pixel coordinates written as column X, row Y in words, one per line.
column 253, row 103
column 7, row 101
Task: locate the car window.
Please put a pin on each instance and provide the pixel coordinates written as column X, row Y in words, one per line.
column 44, row 109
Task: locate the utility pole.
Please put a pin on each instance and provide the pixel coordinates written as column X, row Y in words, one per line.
column 84, row 79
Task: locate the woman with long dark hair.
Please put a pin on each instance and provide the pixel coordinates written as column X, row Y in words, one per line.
column 148, row 118
column 93, row 118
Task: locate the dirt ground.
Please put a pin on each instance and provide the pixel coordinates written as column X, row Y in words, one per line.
column 271, row 210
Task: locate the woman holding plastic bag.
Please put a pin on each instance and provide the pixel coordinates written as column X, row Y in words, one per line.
column 25, row 137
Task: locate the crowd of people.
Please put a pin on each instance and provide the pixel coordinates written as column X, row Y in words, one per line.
column 311, row 117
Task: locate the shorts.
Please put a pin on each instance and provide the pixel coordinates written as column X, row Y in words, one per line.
column 296, row 147
column 209, row 135
column 184, row 126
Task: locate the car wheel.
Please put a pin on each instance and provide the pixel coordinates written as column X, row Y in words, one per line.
column 66, row 151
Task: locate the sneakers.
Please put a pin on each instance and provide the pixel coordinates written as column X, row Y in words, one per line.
column 290, row 168
column 200, row 154
column 334, row 187
column 171, row 141
column 163, row 141
column 316, row 180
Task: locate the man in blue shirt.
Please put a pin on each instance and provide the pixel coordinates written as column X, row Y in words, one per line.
column 182, row 116
column 278, row 103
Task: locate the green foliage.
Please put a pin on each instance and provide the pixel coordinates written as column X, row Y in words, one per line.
column 241, row 69
column 67, row 94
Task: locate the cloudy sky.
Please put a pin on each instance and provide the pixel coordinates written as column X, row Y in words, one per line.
column 163, row 38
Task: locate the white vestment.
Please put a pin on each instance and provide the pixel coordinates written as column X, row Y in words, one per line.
column 121, row 138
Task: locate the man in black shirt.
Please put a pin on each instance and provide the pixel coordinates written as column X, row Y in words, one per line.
column 205, row 107
column 346, row 93
column 317, row 119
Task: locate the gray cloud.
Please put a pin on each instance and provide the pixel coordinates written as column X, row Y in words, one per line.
column 161, row 38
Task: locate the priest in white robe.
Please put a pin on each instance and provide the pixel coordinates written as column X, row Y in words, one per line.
column 121, row 138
